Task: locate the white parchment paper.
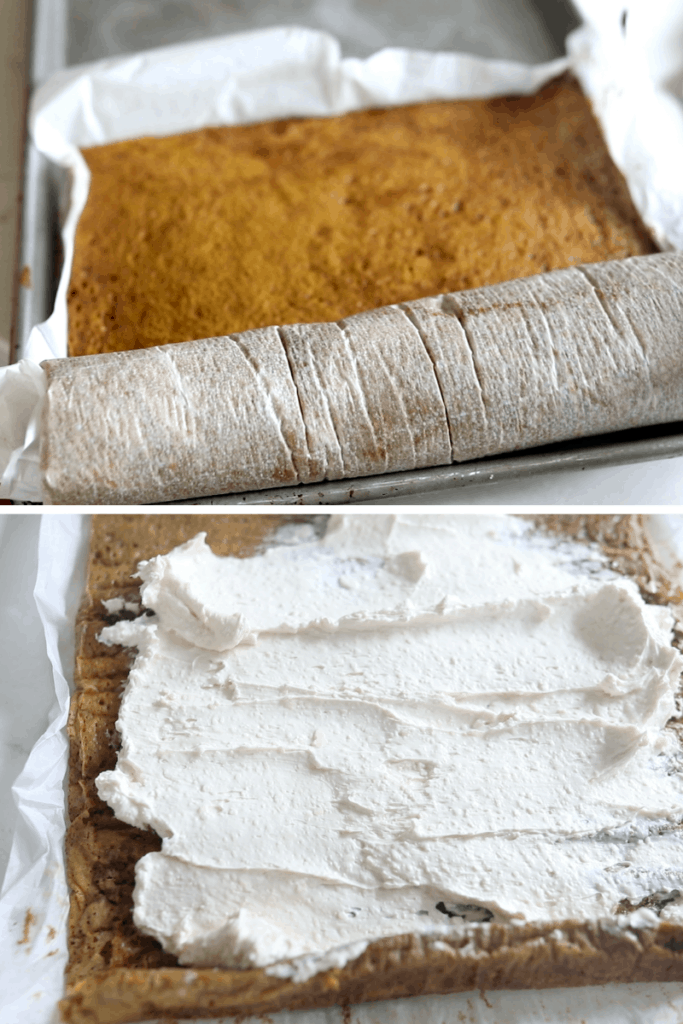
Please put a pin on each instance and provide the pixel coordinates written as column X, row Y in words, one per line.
column 631, row 69
column 33, row 899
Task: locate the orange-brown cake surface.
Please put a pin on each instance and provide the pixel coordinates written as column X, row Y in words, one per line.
column 225, row 229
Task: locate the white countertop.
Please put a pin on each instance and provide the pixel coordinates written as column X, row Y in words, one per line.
column 26, row 668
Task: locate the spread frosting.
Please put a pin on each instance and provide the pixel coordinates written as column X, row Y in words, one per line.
column 411, row 723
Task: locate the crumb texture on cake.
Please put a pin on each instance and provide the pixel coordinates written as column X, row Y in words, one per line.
column 226, row 229
column 117, row 975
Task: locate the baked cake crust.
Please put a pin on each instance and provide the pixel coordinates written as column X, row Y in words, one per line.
column 116, row 974
column 311, row 220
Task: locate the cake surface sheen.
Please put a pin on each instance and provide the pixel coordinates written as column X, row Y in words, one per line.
column 556, row 860
column 297, row 221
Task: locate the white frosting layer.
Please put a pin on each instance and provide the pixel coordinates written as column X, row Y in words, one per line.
column 415, row 721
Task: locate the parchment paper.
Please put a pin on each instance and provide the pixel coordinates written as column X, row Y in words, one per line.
column 33, row 900
column 294, row 71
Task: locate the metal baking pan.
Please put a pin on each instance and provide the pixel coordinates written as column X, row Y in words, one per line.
column 69, row 31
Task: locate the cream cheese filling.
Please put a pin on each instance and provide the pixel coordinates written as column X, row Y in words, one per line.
column 412, row 722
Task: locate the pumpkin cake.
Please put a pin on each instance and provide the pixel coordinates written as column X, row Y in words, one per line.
column 221, row 230
column 117, row 974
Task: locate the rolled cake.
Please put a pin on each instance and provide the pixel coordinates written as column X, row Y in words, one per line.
column 571, row 353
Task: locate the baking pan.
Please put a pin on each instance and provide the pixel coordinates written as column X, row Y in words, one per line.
column 64, row 31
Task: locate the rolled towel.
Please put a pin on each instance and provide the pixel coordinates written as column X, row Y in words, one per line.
column 566, row 354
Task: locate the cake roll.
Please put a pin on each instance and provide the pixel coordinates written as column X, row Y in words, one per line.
column 571, row 353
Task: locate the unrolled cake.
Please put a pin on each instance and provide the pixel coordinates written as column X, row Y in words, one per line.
column 117, row 975
column 297, row 221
